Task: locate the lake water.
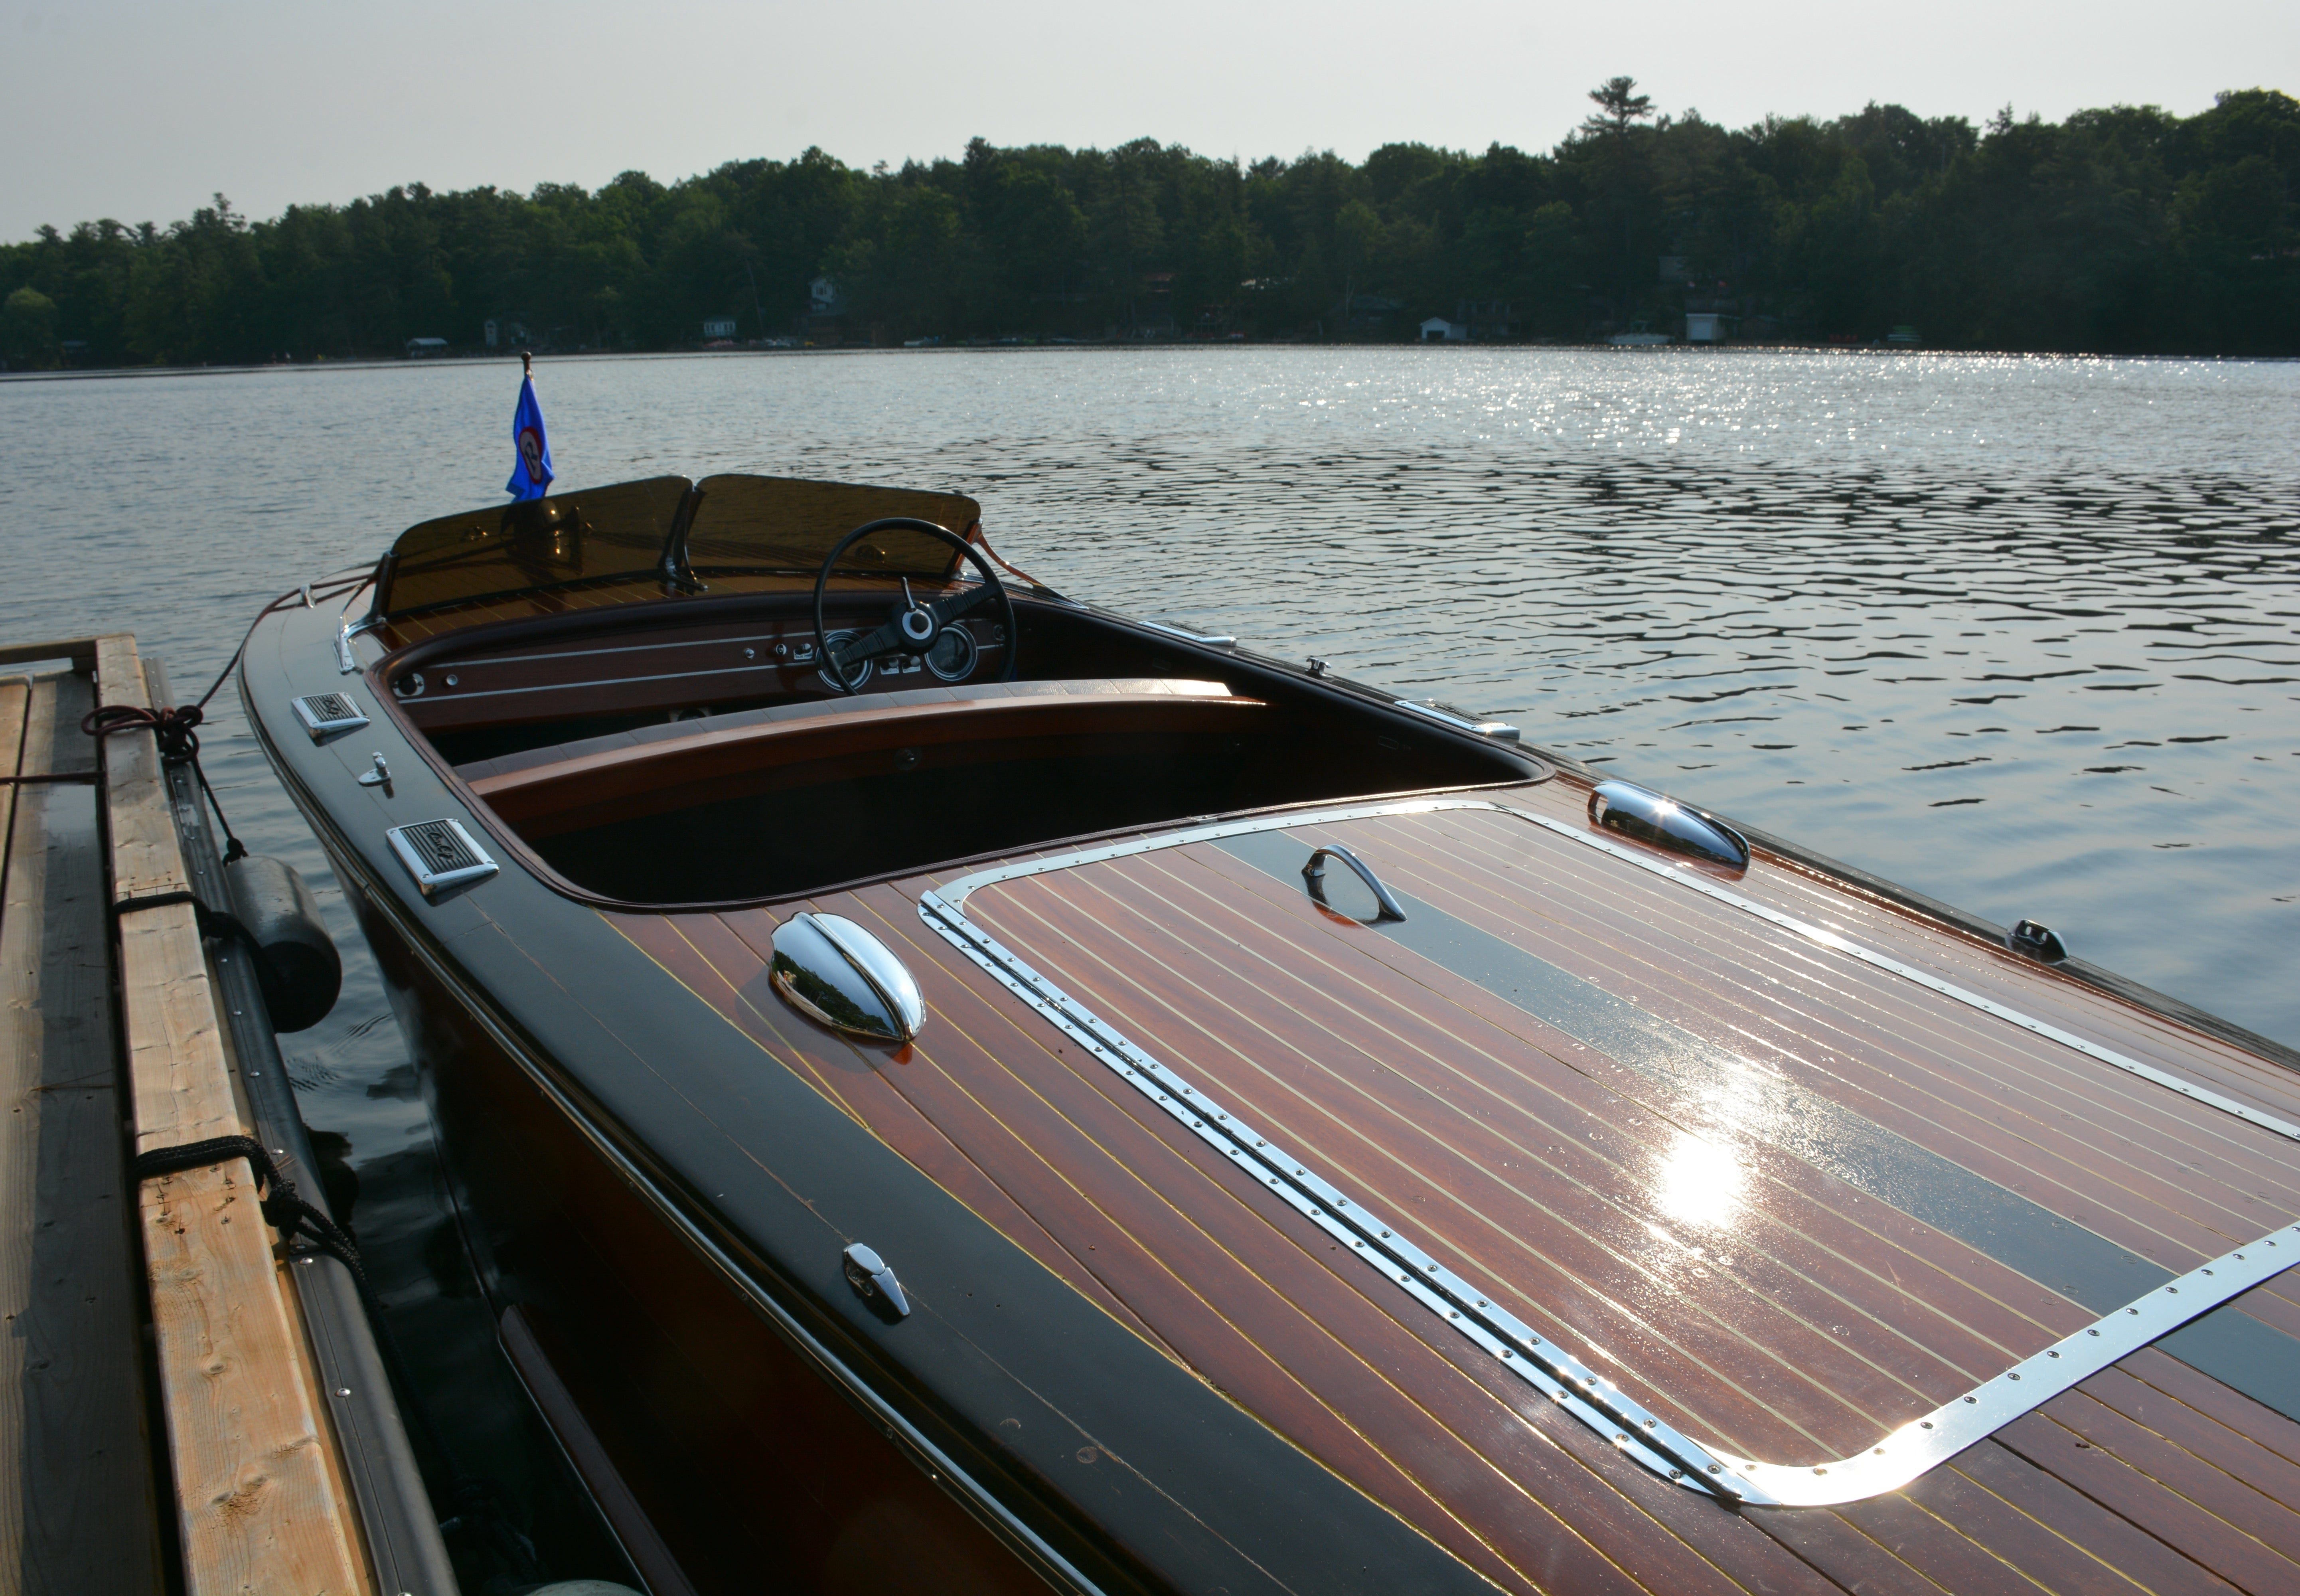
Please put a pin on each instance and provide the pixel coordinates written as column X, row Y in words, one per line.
column 2022, row 634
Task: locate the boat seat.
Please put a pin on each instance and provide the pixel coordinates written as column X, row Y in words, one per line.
column 593, row 778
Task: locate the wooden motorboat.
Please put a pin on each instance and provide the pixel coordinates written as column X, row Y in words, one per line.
column 951, row 1088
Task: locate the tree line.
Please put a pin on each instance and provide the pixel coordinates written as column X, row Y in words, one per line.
column 2127, row 230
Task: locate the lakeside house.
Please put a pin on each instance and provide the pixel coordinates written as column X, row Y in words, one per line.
column 715, row 327
column 1438, row 329
column 420, row 349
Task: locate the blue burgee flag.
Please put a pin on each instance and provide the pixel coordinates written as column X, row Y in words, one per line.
column 530, row 478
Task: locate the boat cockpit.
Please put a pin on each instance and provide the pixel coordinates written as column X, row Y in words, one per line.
column 674, row 692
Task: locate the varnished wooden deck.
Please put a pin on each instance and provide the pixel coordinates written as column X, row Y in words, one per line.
column 1690, row 1213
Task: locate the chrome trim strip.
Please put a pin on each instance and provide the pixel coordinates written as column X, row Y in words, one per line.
column 1596, row 1402
column 1211, row 639
column 1867, row 955
column 796, row 663
column 1500, row 730
column 961, row 1486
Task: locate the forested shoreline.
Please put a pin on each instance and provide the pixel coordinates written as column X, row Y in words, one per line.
column 2125, row 229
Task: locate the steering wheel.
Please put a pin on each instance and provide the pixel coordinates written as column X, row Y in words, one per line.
column 915, row 628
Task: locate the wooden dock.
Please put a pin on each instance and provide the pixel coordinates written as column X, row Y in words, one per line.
column 163, row 1422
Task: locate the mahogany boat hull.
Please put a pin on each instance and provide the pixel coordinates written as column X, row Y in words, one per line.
column 1129, row 1364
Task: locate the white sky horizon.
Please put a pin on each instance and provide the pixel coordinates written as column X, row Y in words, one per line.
column 141, row 110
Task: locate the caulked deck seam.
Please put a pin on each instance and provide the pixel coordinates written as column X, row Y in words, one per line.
column 1597, row 1195
column 1406, row 1471
column 1627, row 1091
column 1517, row 1290
column 1953, row 1426
column 2035, row 1050
column 2214, row 1236
column 1630, row 1085
column 2050, row 1112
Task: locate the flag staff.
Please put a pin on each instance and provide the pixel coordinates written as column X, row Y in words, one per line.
column 531, row 468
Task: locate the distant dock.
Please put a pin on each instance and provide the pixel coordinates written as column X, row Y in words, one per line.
column 186, row 1404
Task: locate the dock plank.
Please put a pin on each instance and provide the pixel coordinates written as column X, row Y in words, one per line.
column 77, row 1499
column 147, row 857
column 258, row 1500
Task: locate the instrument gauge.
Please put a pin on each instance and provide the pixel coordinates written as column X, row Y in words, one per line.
column 953, row 653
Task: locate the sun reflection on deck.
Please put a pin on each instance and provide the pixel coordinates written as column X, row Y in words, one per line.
column 1700, row 1183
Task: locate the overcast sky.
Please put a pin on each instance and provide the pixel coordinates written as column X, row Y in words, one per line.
column 140, row 109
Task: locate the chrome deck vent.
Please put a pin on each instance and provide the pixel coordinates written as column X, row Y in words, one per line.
column 324, row 715
column 831, row 969
column 439, row 854
column 1652, row 817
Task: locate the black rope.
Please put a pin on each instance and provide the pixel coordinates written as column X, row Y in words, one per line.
column 176, row 729
column 213, row 922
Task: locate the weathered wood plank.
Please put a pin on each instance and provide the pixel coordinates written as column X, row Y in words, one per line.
column 77, row 1498
column 15, row 695
column 147, row 858
column 258, row 1510
column 260, row 1506
column 182, row 1090
column 81, row 651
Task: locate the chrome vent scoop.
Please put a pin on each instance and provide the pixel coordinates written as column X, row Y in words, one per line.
column 831, row 970
column 1654, row 817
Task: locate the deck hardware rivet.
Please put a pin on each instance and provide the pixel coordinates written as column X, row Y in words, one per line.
column 1972, row 1399
column 1714, row 1468
column 2013, row 1376
column 750, row 653
column 2132, row 1310
column 2175, row 1290
column 343, row 1390
column 1677, row 1473
column 1880, row 1452
column 1925, row 1423
column 2208, row 1270
column 1821, row 1471
column 2092, row 1333
column 452, row 680
column 2051, row 1354
column 1505, row 1352
column 1384, row 1233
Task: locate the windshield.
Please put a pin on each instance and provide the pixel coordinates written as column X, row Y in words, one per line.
column 536, row 543
column 782, row 524
column 739, row 523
